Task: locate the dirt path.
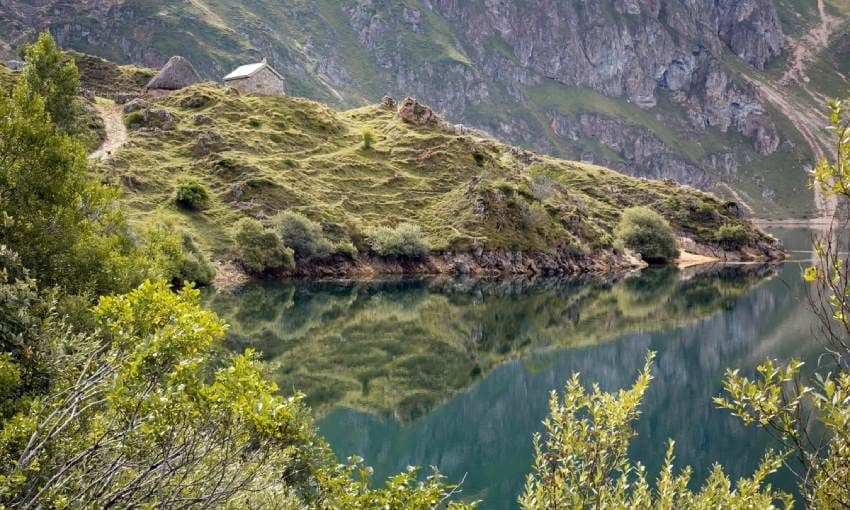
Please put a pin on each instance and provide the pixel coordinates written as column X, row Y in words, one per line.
column 116, row 133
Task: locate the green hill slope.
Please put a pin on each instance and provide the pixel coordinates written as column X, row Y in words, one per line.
column 262, row 155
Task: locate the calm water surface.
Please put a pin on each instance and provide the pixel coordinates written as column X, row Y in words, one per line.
column 456, row 374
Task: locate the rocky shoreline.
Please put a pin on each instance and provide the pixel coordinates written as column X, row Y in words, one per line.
column 491, row 263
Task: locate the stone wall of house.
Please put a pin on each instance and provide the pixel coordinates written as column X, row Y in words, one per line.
column 263, row 83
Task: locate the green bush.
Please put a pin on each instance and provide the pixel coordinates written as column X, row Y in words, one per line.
column 347, row 249
column 368, row 139
column 731, row 236
column 174, row 256
column 260, row 249
column 194, row 266
column 646, row 232
column 406, row 240
column 136, row 118
column 303, row 235
column 192, row 195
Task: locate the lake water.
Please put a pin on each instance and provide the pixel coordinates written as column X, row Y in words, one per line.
column 456, row 373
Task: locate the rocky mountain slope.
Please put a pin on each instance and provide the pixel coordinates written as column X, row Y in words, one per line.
column 692, row 91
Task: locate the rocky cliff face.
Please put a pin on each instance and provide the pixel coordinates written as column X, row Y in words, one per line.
column 492, row 64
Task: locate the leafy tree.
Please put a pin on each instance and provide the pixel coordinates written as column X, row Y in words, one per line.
column 584, row 461
column 646, row 232
column 303, row 235
column 49, row 75
column 148, row 416
column 65, row 226
column 260, row 249
column 33, row 338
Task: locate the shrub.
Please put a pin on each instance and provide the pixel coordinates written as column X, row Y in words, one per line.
column 134, row 119
column 347, row 249
column 731, row 236
column 646, row 232
column 194, row 266
column 175, row 257
column 260, row 249
column 479, row 158
column 406, row 240
column 542, row 186
column 254, row 122
column 368, row 139
column 192, row 195
column 303, row 235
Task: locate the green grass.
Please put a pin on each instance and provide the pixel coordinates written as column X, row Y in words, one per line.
column 105, row 78
column 285, row 153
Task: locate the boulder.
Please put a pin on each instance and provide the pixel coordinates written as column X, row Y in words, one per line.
column 208, row 142
column 389, row 103
column 135, row 105
column 414, row 112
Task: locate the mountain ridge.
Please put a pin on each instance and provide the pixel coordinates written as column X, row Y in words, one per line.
column 659, row 89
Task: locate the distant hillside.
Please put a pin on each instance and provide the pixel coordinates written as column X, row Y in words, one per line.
column 261, row 155
column 711, row 94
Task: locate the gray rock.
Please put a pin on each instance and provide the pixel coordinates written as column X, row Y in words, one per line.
column 135, row 105
column 414, row 112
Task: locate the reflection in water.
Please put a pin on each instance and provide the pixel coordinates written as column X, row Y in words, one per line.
column 456, row 374
column 485, row 432
column 402, row 348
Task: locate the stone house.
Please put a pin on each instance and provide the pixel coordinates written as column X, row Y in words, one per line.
column 260, row 79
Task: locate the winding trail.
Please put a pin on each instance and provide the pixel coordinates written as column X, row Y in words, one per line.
column 116, row 132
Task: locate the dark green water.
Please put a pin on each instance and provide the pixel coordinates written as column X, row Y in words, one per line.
column 456, row 374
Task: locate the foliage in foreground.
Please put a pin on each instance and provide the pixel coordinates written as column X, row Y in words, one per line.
column 64, row 225
column 646, row 232
column 583, row 461
column 145, row 412
column 57, row 81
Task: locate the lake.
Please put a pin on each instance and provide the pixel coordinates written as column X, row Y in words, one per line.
column 457, row 373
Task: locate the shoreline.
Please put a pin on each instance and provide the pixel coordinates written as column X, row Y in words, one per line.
column 489, row 264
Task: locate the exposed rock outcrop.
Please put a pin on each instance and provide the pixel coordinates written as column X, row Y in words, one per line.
column 414, row 112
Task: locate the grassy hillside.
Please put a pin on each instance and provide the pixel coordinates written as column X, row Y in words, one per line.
column 105, row 78
column 263, row 155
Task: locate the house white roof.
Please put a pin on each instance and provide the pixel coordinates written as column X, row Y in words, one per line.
column 249, row 70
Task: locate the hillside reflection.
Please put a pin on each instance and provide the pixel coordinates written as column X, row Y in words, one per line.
column 402, row 348
column 699, row 327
